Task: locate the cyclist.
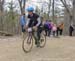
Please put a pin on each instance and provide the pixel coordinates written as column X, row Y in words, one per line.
column 34, row 21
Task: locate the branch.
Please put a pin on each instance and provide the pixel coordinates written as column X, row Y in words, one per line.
column 65, row 5
column 49, row 6
column 20, row 4
column 24, row 5
column 3, row 2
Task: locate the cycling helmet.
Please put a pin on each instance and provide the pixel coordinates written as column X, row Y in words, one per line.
column 30, row 9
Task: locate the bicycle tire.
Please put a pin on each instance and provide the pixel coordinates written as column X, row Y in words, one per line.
column 23, row 43
column 44, row 36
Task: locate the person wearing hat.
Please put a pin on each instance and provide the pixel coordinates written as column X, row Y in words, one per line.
column 34, row 21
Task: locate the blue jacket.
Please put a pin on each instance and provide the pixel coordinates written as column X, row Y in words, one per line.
column 22, row 21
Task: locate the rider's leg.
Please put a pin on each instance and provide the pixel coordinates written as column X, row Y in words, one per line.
column 35, row 37
column 38, row 35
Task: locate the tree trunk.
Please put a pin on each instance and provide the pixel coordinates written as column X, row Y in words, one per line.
column 74, row 15
column 22, row 8
column 74, row 12
column 1, row 13
column 49, row 6
column 53, row 11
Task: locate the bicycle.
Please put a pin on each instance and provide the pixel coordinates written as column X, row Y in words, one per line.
column 27, row 43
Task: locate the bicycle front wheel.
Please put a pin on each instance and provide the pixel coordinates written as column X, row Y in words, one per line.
column 42, row 39
column 27, row 43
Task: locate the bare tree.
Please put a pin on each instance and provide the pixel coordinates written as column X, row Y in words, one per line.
column 68, row 10
column 53, row 10
column 1, row 12
column 22, row 8
column 49, row 6
column 1, row 4
column 20, row 4
column 74, row 12
column 69, row 15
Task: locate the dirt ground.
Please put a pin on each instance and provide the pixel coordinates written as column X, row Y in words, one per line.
column 56, row 49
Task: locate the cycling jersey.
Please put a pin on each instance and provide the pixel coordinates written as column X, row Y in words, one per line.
column 33, row 20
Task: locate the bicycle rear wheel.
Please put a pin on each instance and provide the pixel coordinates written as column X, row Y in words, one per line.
column 27, row 43
column 42, row 39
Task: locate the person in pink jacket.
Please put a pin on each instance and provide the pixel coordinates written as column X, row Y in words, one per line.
column 54, row 28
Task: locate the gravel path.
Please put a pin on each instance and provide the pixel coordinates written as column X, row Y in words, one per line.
column 56, row 49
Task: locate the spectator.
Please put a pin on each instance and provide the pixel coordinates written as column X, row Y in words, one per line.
column 46, row 26
column 22, row 23
column 61, row 27
column 49, row 28
column 71, row 29
column 57, row 32
column 54, row 28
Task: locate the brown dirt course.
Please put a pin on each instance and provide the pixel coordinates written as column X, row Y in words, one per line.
column 56, row 49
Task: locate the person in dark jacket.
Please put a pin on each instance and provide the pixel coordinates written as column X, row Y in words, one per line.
column 34, row 21
column 46, row 26
column 71, row 29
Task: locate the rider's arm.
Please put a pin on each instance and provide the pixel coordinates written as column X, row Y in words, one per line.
column 39, row 21
column 27, row 22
